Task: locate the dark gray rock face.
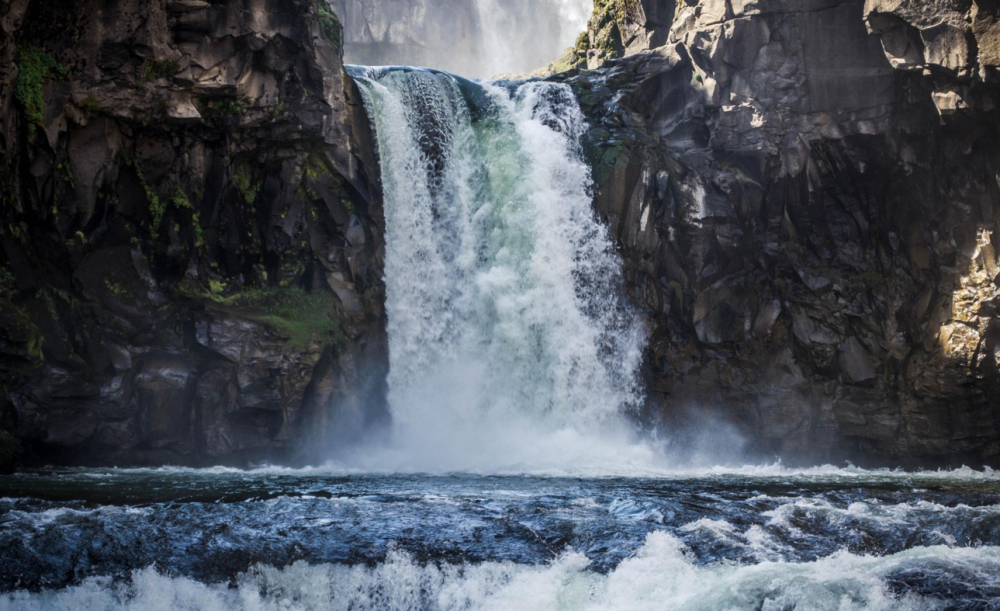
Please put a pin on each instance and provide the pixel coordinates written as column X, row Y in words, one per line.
column 805, row 194
column 806, row 197
column 190, row 250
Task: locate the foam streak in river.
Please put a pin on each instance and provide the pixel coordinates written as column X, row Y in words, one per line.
column 659, row 576
column 511, row 343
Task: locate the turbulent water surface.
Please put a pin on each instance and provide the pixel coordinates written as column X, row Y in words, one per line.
column 748, row 539
column 511, row 342
column 511, row 477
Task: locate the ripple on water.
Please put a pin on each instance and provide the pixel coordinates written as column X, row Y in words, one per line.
column 874, row 543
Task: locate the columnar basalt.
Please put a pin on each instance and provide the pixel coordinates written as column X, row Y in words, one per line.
column 806, row 195
column 191, row 251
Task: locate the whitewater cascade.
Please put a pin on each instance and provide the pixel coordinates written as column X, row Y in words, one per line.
column 481, row 38
column 511, row 342
column 501, row 20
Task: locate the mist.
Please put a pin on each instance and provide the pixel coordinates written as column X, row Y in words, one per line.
column 477, row 38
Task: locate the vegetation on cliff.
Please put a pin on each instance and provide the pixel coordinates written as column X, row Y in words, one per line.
column 35, row 67
column 177, row 254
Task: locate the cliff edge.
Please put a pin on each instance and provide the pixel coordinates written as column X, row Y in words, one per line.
column 190, row 248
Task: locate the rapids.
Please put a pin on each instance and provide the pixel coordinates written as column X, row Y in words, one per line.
column 742, row 539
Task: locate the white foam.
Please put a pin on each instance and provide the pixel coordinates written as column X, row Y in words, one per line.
column 606, row 459
column 660, row 576
column 512, row 348
column 900, row 515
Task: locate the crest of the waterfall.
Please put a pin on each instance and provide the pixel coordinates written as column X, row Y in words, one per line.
column 511, row 341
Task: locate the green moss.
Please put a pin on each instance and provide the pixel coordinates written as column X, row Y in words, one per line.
column 216, row 287
column 180, row 199
column 248, row 190
column 116, row 289
column 299, row 316
column 606, row 23
column 156, row 207
column 89, row 104
column 181, row 202
column 573, row 57
column 199, row 232
column 7, row 283
column 215, row 110
column 65, row 171
column 35, row 67
column 330, row 25
column 157, row 69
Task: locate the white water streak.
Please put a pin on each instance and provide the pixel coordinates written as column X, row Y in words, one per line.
column 660, row 576
column 511, row 343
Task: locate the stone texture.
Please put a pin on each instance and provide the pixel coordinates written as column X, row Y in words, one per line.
column 806, row 196
column 169, row 229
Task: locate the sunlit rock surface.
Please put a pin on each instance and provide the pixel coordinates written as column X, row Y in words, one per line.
column 806, row 195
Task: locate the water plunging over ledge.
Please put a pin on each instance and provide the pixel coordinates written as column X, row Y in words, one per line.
column 513, row 350
column 480, row 38
column 511, row 341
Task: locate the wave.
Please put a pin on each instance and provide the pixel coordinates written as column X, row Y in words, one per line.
column 661, row 575
column 594, row 469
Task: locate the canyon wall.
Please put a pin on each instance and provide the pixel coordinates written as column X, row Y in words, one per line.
column 190, row 251
column 804, row 194
column 806, row 197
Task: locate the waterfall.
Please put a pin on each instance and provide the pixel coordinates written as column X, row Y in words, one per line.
column 480, row 38
column 515, row 39
column 511, row 341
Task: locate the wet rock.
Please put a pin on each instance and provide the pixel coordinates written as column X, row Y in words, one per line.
column 163, row 218
column 855, row 362
column 10, row 452
column 836, row 160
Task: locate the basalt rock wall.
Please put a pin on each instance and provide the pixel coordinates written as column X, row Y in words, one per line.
column 806, row 197
column 190, row 250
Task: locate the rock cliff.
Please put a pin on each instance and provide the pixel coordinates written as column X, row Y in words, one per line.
column 190, row 252
column 806, row 195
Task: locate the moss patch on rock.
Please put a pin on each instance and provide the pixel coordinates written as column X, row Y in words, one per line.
column 35, row 67
column 330, row 25
column 605, row 28
column 301, row 317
